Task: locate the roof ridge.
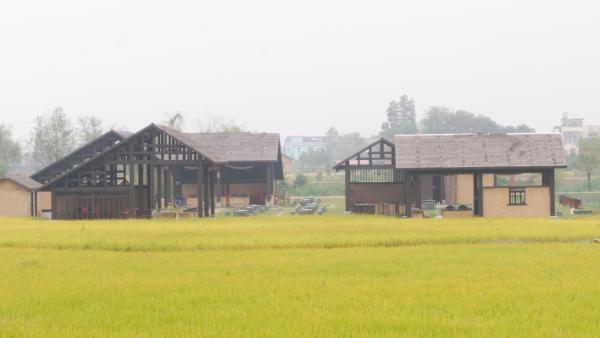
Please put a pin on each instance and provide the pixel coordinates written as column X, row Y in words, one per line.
column 80, row 148
column 474, row 134
column 22, row 179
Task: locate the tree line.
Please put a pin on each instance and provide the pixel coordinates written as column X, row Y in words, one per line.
column 56, row 134
column 401, row 118
column 53, row 136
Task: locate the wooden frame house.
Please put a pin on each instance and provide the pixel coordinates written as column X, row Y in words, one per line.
column 131, row 175
column 470, row 174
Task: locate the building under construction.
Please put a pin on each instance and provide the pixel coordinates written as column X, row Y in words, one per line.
column 131, row 175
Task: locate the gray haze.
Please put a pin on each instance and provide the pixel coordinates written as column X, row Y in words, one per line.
column 298, row 67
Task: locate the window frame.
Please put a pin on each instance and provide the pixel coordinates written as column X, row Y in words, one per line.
column 517, row 196
column 499, row 177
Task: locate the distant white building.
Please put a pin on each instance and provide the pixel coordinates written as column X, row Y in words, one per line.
column 572, row 130
column 294, row 146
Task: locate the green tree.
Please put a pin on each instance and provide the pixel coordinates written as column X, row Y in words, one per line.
column 10, row 151
column 53, row 138
column 174, row 120
column 588, row 158
column 300, row 180
column 401, row 118
column 89, row 129
column 442, row 120
column 521, row 128
column 437, row 120
column 331, row 142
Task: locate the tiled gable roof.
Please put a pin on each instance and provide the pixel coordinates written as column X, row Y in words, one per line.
column 456, row 151
column 22, row 180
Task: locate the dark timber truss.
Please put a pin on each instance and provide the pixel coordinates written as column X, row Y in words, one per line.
column 380, row 153
column 79, row 156
column 136, row 175
column 370, row 177
column 158, row 168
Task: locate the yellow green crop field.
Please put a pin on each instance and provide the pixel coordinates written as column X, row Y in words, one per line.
column 311, row 276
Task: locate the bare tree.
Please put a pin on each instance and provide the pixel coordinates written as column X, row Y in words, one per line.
column 89, row 129
column 588, row 159
column 53, row 137
column 218, row 124
column 174, row 120
column 10, row 151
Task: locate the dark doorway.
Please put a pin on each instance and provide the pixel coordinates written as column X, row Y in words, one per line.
column 438, row 188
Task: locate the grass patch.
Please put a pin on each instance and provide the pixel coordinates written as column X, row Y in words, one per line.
column 343, row 276
column 285, row 232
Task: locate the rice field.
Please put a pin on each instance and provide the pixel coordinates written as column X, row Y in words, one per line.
column 330, row 276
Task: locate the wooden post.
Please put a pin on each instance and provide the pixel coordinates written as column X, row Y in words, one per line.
column 218, row 186
column 54, row 204
column 151, row 149
column 158, row 187
column 131, row 183
column 477, row 194
column 552, row 193
column 227, row 204
column 171, row 186
column 443, row 180
column 206, row 196
column 347, row 186
column 548, row 181
column 269, row 180
column 481, row 210
column 211, row 187
column 91, row 213
column 150, row 191
column 408, row 192
column 141, row 176
column 31, row 203
column 167, row 188
column 418, row 180
column 199, row 180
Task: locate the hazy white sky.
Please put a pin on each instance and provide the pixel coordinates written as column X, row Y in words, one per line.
column 298, row 67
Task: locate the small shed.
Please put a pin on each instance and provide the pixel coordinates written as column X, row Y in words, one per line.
column 510, row 174
column 19, row 196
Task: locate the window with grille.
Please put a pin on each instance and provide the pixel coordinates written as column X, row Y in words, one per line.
column 516, row 196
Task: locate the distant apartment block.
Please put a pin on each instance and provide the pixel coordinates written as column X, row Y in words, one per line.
column 572, row 130
column 296, row 145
